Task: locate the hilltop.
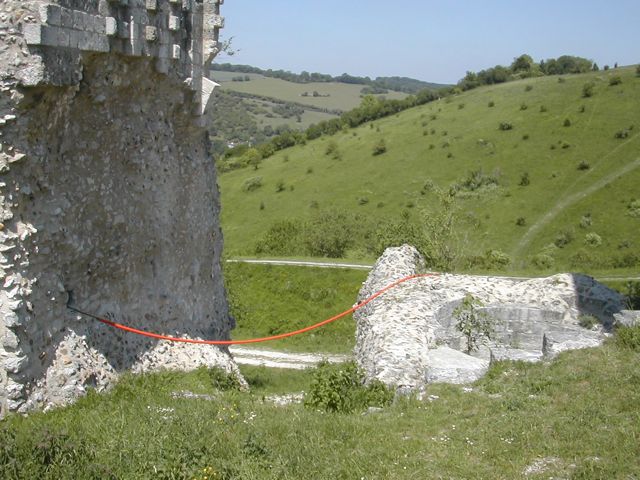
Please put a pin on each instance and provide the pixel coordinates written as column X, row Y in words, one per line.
column 253, row 105
column 545, row 170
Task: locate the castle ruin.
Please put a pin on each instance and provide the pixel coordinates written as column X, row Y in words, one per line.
column 108, row 195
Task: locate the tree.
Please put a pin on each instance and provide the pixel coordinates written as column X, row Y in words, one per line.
column 474, row 324
column 524, row 63
column 440, row 242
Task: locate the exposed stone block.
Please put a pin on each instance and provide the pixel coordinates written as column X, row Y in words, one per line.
column 51, row 14
column 174, row 23
column 152, row 5
column 111, row 26
column 151, row 34
column 66, row 18
column 175, row 52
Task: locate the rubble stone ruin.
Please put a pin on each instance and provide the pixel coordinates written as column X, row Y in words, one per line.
column 108, row 195
column 408, row 337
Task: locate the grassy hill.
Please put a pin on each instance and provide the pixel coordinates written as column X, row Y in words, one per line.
column 331, row 95
column 544, row 174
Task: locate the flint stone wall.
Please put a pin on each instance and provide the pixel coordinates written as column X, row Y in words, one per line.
column 107, row 193
column 398, row 334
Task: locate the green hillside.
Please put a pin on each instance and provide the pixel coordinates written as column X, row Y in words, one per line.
column 331, row 96
column 555, row 184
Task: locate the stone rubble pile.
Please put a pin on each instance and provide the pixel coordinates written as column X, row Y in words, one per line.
column 408, row 336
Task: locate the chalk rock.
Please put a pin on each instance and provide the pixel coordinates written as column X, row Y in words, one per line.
column 627, row 318
column 446, row 365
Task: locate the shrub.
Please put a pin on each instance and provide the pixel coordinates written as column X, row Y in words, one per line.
column 585, row 221
column 222, row 380
column 543, row 109
column 543, row 261
column 561, row 80
column 633, row 295
column 525, row 136
column 496, row 259
column 340, row 388
column 563, row 238
column 524, row 179
column 628, row 337
column 309, row 170
column 588, row 321
column 474, row 324
column 251, row 184
column 633, row 209
column 521, row 221
column 329, row 234
column 460, row 106
column 615, row 80
column 528, row 88
column 332, row 150
column 280, row 186
column 363, row 201
column 282, row 238
column 491, row 103
column 380, row 147
column 592, row 239
column 584, row 165
column 565, row 144
column 621, row 134
column 567, row 122
column 261, row 205
column 523, row 106
column 582, row 109
column 587, row 89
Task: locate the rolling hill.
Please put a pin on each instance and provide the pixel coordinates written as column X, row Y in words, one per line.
column 546, row 172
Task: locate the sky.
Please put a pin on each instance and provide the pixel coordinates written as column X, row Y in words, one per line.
column 435, row 41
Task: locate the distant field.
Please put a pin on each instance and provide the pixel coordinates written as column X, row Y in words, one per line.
column 579, row 205
column 342, row 96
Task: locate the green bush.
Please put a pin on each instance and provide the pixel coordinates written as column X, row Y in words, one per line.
column 505, row 126
column 524, row 179
column 521, row 221
column 528, row 88
column 329, row 234
column 474, row 324
column 584, row 165
column 380, row 147
column 628, row 337
column 587, row 89
column 622, row 134
column 523, row 106
column 592, row 239
column 282, row 238
column 588, row 321
column 585, row 221
column 567, row 122
column 280, row 186
column 340, row 388
column 543, row 261
column 563, row 238
column 491, row 104
column 633, row 209
column 615, row 80
column 251, row 184
column 222, row 380
column 543, row 109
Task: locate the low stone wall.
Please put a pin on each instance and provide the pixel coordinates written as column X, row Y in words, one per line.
column 398, row 333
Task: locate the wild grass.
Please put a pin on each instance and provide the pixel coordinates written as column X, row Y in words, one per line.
column 555, row 199
column 576, row 417
column 268, row 300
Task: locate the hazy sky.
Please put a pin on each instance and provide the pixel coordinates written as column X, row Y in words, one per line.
column 425, row 39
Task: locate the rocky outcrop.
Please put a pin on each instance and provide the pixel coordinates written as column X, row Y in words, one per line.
column 398, row 334
column 107, row 195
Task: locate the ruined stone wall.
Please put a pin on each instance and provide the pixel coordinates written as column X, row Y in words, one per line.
column 107, row 194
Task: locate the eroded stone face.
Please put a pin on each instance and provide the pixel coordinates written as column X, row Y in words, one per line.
column 107, row 194
column 534, row 318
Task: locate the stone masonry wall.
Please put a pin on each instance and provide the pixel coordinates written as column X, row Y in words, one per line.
column 107, row 194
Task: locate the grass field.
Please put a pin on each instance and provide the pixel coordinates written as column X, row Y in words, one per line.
column 269, row 300
column 582, row 180
column 574, row 418
column 335, row 96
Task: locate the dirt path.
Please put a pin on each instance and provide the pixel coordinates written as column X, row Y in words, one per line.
column 274, row 359
column 570, row 200
column 297, row 263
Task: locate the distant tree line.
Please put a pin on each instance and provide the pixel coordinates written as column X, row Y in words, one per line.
column 399, row 84
column 524, row 67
